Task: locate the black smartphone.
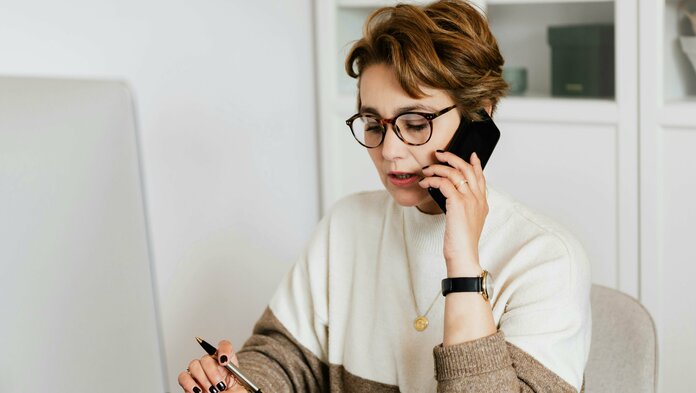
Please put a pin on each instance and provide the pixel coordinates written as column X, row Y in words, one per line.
column 471, row 136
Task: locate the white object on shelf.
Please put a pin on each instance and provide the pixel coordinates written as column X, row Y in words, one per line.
column 688, row 45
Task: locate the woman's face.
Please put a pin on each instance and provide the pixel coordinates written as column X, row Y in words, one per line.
column 381, row 94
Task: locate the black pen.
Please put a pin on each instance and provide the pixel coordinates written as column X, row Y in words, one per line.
column 244, row 381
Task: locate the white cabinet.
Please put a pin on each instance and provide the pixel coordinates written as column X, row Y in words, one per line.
column 667, row 191
column 616, row 172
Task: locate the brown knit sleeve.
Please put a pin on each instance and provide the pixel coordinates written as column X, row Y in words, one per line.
column 274, row 360
column 492, row 365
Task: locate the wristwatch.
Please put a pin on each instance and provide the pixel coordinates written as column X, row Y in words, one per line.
column 482, row 284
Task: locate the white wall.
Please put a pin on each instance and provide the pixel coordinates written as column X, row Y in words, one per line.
column 225, row 95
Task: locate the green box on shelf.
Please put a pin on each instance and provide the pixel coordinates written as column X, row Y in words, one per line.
column 582, row 60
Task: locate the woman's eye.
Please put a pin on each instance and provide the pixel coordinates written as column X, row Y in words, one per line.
column 373, row 128
column 416, row 127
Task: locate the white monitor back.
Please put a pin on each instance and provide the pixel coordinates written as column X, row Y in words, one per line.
column 77, row 311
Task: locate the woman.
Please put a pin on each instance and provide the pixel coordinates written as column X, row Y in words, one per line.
column 361, row 310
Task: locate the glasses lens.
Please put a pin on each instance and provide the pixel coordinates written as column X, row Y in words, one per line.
column 414, row 128
column 367, row 131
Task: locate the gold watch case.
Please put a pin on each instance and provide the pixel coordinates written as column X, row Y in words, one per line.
column 487, row 285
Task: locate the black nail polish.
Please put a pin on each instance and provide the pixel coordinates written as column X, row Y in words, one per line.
column 213, row 390
column 221, row 386
column 196, row 389
column 223, row 359
column 440, row 151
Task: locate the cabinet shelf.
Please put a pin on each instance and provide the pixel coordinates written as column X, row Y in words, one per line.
column 498, row 2
column 382, row 3
column 531, row 109
column 558, row 110
column 679, row 113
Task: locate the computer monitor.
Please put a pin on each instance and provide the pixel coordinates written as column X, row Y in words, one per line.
column 77, row 306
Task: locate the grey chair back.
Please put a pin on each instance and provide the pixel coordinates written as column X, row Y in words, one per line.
column 623, row 353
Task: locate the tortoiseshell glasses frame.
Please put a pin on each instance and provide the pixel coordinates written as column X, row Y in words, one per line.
column 377, row 125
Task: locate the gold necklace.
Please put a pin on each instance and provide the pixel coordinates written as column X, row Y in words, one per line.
column 421, row 323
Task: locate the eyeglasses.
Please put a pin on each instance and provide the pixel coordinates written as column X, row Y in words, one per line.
column 413, row 128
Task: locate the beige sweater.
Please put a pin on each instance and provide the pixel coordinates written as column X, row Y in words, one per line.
column 342, row 319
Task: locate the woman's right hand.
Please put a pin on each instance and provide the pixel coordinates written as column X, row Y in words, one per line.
column 208, row 375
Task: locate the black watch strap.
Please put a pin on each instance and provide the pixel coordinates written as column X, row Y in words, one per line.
column 462, row 284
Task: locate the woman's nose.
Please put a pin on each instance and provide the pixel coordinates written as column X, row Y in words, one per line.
column 392, row 146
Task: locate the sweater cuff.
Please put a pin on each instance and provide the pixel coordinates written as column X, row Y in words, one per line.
column 479, row 356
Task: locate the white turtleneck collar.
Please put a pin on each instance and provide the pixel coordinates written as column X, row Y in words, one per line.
column 426, row 232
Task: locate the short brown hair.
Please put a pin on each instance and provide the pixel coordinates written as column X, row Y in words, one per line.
column 445, row 45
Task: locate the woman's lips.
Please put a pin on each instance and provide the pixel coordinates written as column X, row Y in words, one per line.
column 403, row 179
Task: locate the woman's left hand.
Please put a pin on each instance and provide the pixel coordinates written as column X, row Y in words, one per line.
column 464, row 186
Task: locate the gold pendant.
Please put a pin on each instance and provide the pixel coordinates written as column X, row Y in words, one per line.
column 420, row 323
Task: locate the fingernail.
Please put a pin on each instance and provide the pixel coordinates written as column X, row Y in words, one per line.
column 440, row 151
column 425, row 167
column 221, row 386
column 223, row 359
column 196, row 389
column 213, row 390
column 475, row 155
